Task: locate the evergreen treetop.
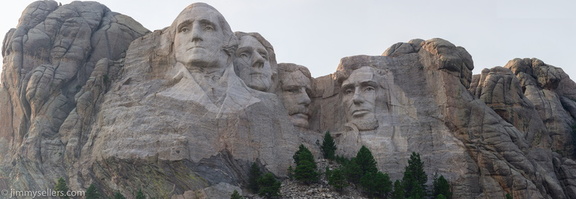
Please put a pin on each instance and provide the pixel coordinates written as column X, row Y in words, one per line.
column 305, row 170
column 236, row 195
column 61, row 188
column 253, row 176
column 302, row 152
column 414, row 179
column 269, row 187
column 441, row 187
column 92, row 193
column 118, row 195
column 328, row 146
column 366, row 161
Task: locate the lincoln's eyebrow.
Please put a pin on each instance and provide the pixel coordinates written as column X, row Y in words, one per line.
column 369, row 83
column 348, row 85
column 183, row 24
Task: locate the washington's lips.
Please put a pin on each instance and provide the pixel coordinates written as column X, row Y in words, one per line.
column 195, row 47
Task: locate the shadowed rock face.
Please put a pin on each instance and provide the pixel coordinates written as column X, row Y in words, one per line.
column 48, row 58
column 92, row 96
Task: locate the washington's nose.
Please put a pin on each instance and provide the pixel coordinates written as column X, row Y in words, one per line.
column 196, row 33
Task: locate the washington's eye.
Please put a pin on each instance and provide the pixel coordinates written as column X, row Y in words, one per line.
column 208, row 27
column 184, row 29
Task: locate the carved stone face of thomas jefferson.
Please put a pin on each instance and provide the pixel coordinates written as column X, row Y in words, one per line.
column 359, row 98
column 252, row 63
column 200, row 38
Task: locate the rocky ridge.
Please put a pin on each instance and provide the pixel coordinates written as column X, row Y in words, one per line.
column 92, row 96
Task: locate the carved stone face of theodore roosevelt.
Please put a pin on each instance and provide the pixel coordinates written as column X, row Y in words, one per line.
column 295, row 87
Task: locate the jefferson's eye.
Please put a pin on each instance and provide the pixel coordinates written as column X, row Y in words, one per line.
column 244, row 54
column 264, row 56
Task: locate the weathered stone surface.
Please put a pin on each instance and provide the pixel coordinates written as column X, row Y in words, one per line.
column 48, row 57
column 540, row 84
column 173, row 113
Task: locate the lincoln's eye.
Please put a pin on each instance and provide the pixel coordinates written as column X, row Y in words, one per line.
column 369, row 88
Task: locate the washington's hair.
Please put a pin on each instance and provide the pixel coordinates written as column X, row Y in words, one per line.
column 169, row 33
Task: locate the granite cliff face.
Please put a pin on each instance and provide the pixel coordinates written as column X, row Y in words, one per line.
column 91, row 96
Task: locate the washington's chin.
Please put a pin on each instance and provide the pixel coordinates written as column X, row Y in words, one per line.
column 300, row 120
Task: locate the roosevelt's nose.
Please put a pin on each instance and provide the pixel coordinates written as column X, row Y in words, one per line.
column 304, row 99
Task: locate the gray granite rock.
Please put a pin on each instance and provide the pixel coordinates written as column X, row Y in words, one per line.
column 92, row 96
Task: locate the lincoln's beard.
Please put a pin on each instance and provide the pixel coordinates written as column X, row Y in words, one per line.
column 366, row 124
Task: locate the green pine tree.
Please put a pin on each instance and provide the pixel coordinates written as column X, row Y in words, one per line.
column 337, row 180
column 442, row 187
column 328, row 146
column 414, row 179
column 92, row 193
column 305, row 171
column 509, row 196
column 255, row 173
column 302, row 152
column 269, row 187
column 440, row 196
column 366, row 161
column 118, row 195
column 398, row 192
column 376, row 184
column 236, row 195
column 352, row 171
column 61, row 188
column 140, row 195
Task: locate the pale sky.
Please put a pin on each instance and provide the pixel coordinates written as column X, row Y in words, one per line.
column 317, row 33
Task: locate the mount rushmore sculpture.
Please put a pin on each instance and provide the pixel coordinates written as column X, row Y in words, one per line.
column 91, row 96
